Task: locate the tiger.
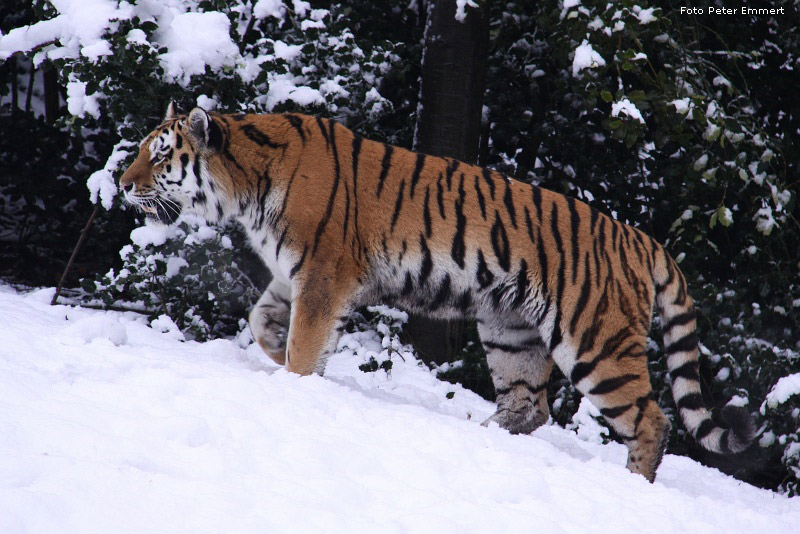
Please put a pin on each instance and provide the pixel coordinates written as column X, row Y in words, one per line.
column 342, row 222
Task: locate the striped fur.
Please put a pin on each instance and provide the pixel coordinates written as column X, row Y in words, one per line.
column 342, row 221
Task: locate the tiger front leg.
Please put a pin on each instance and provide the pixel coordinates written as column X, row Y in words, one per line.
column 320, row 307
column 269, row 320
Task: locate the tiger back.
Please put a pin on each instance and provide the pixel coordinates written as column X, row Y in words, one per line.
column 342, row 221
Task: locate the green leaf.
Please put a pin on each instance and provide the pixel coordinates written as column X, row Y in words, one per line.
column 606, row 96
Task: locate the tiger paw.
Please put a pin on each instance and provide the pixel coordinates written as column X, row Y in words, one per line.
column 524, row 421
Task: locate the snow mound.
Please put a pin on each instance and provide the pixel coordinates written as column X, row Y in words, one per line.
column 157, row 435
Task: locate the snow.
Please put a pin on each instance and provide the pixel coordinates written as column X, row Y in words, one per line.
column 269, row 8
column 461, row 9
column 195, row 40
column 110, row 425
column 681, row 105
column 586, row 58
column 102, row 185
column 783, row 389
column 627, row 108
column 80, row 24
column 79, row 103
column 645, row 16
column 151, row 234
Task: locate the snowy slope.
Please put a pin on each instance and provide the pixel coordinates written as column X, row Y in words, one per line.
column 109, row 426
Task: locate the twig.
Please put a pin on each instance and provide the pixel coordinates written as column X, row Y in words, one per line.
column 112, row 307
column 78, row 245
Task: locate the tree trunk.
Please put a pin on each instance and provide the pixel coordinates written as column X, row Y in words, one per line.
column 449, row 124
column 52, row 103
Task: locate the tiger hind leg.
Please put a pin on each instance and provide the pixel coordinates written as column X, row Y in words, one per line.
column 520, row 365
column 617, row 382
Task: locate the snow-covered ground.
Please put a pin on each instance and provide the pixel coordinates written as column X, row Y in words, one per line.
column 108, row 425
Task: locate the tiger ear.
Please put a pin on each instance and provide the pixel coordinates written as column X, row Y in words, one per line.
column 170, row 111
column 199, row 124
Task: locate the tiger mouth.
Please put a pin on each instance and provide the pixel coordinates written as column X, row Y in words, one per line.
column 165, row 212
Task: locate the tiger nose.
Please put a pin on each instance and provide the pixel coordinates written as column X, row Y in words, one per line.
column 127, row 187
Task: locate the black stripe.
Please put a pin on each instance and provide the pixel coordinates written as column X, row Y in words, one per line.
column 485, row 276
column 324, row 132
column 258, row 137
column 459, row 249
column 574, row 223
column 680, row 320
column 593, row 216
column 692, row 401
column 556, row 336
column 537, row 202
column 705, row 428
column 508, row 200
column 464, row 301
column 297, row 124
column 522, row 284
column 285, row 202
column 670, row 272
column 415, row 176
column 265, row 179
column 543, row 269
column 589, row 336
column 500, row 243
column 612, row 384
column 346, row 211
column 537, row 389
column 442, row 295
column 641, row 404
column 356, row 153
column 299, row 264
column 491, row 345
column 689, row 371
column 408, row 287
column 481, row 201
column 336, row 176
column 614, row 232
column 581, row 370
column 451, row 169
column 426, row 212
column 440, row 197
column 596, row 256
column 687, row 343
column 385, row 166
column 582, row 299
column 487, row 177
column 280, row 243
column 613, row 413
column 529, row 223
column 217, row 139
column 556, row 232
column 601, row 235
column 626, row 233
column 196, row 170
column 427, row 263
column 398, row 203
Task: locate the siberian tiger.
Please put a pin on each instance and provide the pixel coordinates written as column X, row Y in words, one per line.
column 342, row 221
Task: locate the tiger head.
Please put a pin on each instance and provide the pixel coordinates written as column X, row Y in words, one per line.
column 170, row 174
